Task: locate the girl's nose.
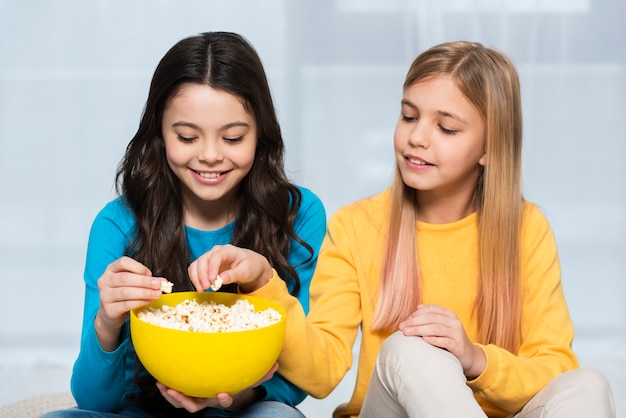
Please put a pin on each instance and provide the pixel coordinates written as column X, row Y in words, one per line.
column 418, row 136
column 210, row 151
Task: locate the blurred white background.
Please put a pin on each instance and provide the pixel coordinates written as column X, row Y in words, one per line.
column 74, row 76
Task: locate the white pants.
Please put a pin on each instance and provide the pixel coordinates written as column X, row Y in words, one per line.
column 417, row 380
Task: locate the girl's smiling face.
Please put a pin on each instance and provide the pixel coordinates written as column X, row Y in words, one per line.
column 439, row 140
column 210, row 144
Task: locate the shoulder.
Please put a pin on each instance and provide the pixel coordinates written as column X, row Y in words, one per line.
column 357, row 230
column 310, row 204
column 367, row 214
column 116, row 207
column 533, row 217
column 115, row 213
column 535, row 226
column 309, row 198
column 111, row 232
column 371, row 208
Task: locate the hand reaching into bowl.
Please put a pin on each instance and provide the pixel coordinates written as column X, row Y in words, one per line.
column 234, row 265
column 125, row 284
column 225, row 401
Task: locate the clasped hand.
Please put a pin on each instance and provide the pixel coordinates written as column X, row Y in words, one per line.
column 222, row 401
column 442, row 328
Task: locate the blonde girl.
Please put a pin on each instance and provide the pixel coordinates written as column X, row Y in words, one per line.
column 453, row 278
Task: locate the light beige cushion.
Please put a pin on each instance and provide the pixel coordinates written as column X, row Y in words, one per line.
column 35, row 406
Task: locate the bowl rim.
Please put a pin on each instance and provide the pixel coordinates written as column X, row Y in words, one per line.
column 208, row 294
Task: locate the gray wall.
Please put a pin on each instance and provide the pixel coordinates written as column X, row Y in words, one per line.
column 74, row 75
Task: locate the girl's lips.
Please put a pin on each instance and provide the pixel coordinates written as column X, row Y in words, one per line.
column 209, row 177
column 417, row 162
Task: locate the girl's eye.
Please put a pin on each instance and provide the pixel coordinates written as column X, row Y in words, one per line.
column 407, row 118
column 234, row 140
column 185, row 139
column 447, row 131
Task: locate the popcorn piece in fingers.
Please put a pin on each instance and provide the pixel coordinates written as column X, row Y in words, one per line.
column 215, row 286
column 166, row 286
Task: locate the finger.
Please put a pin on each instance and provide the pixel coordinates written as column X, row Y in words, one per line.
column 194, row 277
column 179, row 400
column 441, row 342
column 235, row 273
column 204, row 270
column 434, row 309
column 129, row 264
column 116, row 302
column 430, row 315
column 127, row 272
column 429, row 330
column 222, row 257
column 166, row 394
column 247, row 267
column 225, row 400
column 130, row 286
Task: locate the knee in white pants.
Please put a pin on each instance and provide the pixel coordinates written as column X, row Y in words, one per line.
column 421, row 379
column 577, row 393
column 399, row 350
column 592, row 388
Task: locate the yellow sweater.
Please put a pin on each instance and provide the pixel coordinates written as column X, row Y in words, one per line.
column 318, row 349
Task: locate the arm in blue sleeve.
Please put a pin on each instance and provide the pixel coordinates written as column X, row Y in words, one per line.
column 310, row 226
column 99, row 378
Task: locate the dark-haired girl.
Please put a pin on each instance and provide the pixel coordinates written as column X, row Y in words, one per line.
column 204, row 170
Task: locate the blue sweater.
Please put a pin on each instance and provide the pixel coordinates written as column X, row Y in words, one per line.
column 101, row 380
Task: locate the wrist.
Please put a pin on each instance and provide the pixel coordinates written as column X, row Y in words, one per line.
column 479, row 363
column 108, row 337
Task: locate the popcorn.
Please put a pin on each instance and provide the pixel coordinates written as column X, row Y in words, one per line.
column 217, row 284
column 209, row 316
column 166, row 286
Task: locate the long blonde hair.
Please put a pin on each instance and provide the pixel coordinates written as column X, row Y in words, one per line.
column 489, row 80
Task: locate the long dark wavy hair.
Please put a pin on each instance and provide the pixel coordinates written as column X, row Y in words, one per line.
column 267, row 202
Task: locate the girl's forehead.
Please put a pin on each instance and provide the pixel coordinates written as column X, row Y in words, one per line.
column 441, row 95
column 193, row 95
column 435, row 89
column 196, row 89
column 206, row 107
column 439, row 80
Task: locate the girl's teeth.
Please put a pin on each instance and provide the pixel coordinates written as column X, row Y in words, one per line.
column 209, row 175
column 418, row 162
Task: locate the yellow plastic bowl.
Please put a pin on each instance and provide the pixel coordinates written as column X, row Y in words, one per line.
column 203, row 364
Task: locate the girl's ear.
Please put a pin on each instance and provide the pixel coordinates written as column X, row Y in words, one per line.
column 483, row 160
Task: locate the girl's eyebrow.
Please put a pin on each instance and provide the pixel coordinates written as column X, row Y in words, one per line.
column 194, row 126
column 443, row 113
column 405, row 102
column 451, row 115
column 185, row 124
